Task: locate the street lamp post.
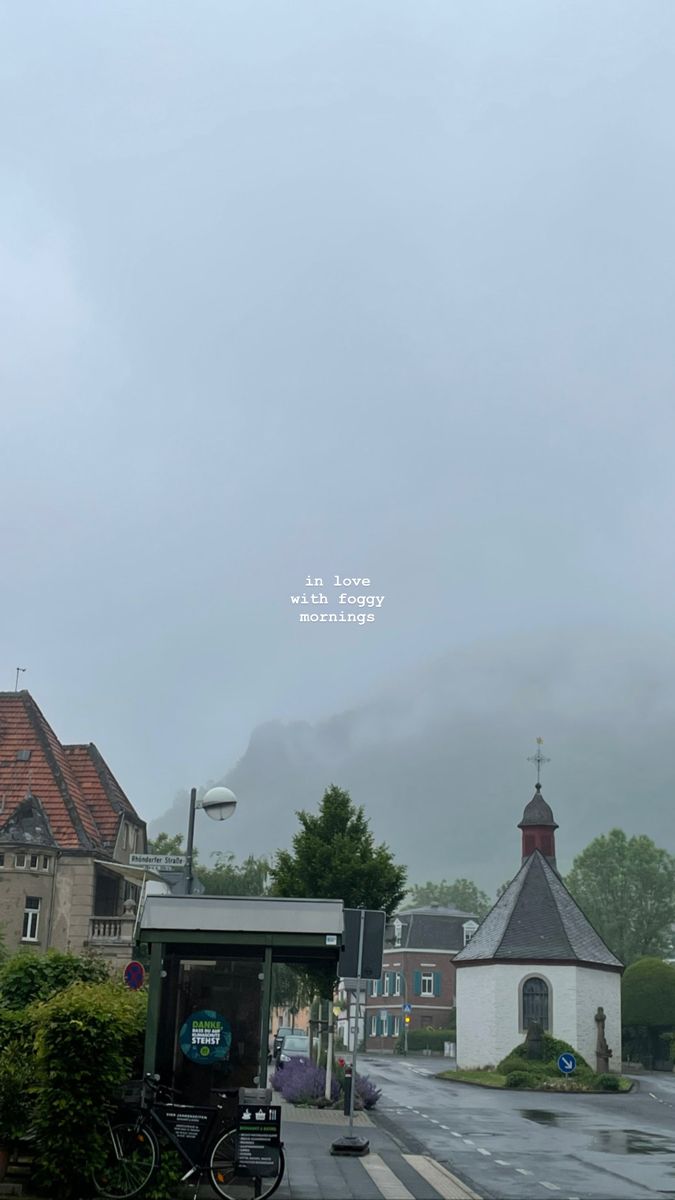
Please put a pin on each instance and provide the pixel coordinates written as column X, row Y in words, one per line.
column 219, row 803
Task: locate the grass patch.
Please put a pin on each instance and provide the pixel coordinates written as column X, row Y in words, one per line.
column 493, row 1079
column 484, row 1078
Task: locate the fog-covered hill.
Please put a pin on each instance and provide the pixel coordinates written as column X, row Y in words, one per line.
column 438, row 756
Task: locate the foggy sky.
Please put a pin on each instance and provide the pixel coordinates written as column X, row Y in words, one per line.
column 381, row 289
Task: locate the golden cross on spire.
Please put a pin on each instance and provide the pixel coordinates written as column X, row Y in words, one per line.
column 538, row 759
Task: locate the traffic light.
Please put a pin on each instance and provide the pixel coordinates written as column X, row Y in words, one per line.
column 407, row 1019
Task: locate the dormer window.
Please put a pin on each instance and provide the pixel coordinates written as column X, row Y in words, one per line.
column 469, row 928
column 398, row 929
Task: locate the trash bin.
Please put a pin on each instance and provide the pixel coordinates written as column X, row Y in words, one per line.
column 448, row 1049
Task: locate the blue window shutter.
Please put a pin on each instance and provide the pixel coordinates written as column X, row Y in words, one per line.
column 437, row 983
column 390, row 1026
column 417, row 983
column 392, row 982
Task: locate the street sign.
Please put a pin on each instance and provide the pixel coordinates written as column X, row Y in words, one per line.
column 134, row 974
column 258, row 1139
column 158, row 862
column 407, row 1008
column 567, row 1063
column 373, row 944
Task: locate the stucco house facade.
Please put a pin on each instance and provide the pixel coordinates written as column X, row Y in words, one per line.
column 67, row 831
column 536, row 957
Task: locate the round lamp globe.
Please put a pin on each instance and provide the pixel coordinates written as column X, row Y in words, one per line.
column 219, row 803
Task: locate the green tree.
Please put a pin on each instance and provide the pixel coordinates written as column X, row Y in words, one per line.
column 626, row 888
column 648, row 1007
column 460, row 893
column 229, row 878
column 334, row 855
column 166, row 843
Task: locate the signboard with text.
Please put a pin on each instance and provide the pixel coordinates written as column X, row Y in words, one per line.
column 258, row 1139
column 205, row 1037
column 158, row 862
column 189, row 1126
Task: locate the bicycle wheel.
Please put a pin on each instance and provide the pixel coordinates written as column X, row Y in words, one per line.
column 132, row 1154
column 227, row 1181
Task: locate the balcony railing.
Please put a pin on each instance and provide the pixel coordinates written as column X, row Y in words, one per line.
column 110, row 930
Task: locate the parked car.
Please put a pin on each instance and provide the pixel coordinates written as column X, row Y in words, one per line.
column 282, row 1032
column 294, row 1045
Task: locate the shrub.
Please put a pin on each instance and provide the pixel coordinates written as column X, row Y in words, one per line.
column 520, row 1079
column 28, row 976
column 426, row 1039
column 302, row 1081
column 552, row 1048
column 86, row 1038
column 16, row 1098
column 648, row 994
column 608, row 1083
column 366, row 1091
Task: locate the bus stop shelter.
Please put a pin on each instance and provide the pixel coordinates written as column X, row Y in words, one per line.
column 210, row 982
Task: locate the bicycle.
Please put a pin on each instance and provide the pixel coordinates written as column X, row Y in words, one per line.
column 133, row 1153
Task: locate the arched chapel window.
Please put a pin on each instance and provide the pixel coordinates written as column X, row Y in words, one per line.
column 535, row 1003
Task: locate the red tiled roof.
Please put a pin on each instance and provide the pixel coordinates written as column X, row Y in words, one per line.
column 105, row 798
column 82, row 812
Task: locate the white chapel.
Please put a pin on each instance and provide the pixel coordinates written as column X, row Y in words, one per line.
column 535, row 957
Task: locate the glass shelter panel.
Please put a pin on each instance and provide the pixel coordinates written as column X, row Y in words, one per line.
column 210, row 1024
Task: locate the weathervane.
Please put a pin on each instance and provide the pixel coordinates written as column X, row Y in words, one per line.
column 19, row 670
column 538, row 758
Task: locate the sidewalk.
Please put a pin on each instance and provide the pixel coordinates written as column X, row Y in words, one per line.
column 313, row 1173
column 386, row 1173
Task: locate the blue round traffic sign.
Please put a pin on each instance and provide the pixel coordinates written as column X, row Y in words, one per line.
column 567, row 1063
column 134, row 974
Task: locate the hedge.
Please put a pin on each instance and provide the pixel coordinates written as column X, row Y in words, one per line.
column 28, row 976
column 426, row 1039
column 86, row 1040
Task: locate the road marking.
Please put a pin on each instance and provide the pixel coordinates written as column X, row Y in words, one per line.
column 502, row 1163
column 448, row 1186
column 434, row 1121
column 455, row 1134
column 446, row 1128
column 388, row 1185
column 468, row 1142
column 552, row 1187
column 488, row 1152
column 522, row 1171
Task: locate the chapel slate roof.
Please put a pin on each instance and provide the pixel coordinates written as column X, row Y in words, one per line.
column 536, row 919
column 44, row 787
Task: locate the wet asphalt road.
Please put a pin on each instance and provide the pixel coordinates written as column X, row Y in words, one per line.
column 530, row 1146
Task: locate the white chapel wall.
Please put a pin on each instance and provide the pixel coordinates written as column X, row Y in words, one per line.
column 488, row 1010
column 598, row 989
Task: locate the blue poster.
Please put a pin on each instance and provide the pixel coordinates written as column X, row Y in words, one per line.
column 206, row 1037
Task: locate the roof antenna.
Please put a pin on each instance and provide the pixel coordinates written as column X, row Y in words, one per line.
column 16, row 684
column 538, row 759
